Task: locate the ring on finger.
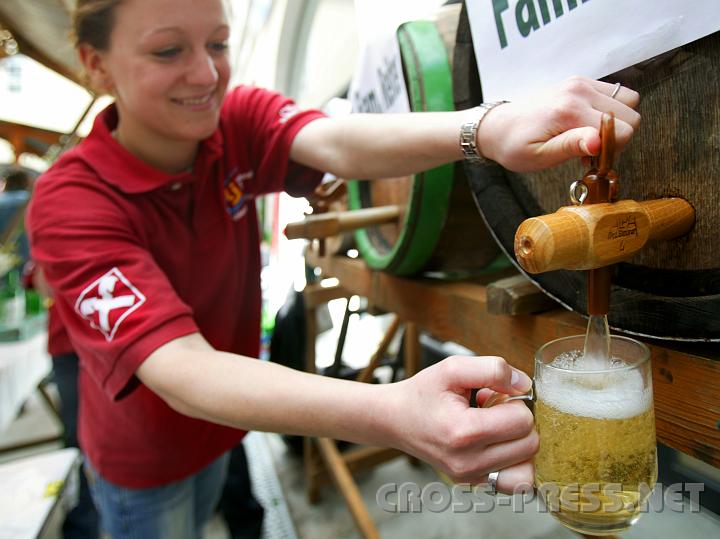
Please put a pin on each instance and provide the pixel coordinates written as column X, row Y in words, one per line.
column 616, row 89
column 492, row 481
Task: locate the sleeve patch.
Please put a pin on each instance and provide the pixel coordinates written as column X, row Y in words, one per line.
column 108, row 301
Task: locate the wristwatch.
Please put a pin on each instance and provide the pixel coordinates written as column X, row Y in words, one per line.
column 468, row 134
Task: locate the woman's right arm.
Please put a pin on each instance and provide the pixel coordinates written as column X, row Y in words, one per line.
column 427, row 415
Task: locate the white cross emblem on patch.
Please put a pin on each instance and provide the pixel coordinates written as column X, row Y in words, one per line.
column 108, row 301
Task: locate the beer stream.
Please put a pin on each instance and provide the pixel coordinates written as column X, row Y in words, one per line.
column 596, row 355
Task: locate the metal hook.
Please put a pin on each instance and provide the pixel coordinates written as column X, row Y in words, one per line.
column 576, row 199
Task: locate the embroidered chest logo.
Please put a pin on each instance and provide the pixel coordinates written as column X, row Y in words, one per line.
column 108, row 301
column 287, row 112
column 236, row 196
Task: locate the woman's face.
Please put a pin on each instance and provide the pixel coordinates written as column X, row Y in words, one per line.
column 167, row 66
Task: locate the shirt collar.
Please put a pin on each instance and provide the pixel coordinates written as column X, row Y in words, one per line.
column 117, row 166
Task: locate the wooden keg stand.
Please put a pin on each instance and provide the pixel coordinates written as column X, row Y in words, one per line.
column 597, row 231
column 322, row 458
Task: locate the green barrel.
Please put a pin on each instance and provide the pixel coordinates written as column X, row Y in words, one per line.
column 440, row 229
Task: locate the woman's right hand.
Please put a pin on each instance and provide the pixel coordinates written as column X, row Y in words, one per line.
column 432, row 420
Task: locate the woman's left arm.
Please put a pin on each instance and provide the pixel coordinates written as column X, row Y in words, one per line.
column 522, row 136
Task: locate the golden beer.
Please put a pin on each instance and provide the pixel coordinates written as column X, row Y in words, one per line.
column 597, row 461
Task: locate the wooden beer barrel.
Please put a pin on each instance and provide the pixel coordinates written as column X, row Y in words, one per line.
column 440, row 229
column 671, row 289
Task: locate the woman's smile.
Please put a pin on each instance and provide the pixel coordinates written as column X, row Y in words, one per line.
column 202, row 102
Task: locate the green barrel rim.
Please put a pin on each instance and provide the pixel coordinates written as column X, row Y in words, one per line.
column 429, row 81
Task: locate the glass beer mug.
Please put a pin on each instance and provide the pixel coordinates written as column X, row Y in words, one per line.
column 597, row 461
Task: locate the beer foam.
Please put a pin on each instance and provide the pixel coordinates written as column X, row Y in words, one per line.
column 601, row 395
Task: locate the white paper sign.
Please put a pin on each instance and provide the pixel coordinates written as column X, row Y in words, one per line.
column 378, row 84
column 524, row 45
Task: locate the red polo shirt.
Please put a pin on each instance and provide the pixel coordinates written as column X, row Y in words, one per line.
column 137, row 257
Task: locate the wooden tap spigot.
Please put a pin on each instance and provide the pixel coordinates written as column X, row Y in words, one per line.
column 333, row 223
column 597, row 235
column 598, row 232
column 322, row 199
column 601, row 184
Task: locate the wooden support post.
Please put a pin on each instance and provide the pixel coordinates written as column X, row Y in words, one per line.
column 311, row 467
column 310, row 456
column 366, row 374
column 310, row 335
column 412, row 349
column 345, row 483
column 412, row 362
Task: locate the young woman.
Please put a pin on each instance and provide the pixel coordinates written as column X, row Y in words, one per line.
column 147, row 236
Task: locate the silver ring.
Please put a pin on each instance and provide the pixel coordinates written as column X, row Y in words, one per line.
column 492, row 481
column 616, row 90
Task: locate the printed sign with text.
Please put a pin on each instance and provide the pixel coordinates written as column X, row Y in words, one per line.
column 524, row 45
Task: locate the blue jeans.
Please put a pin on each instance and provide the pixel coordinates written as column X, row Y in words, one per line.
column 179, row 510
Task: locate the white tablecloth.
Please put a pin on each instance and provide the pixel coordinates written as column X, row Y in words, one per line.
column 31, row 488
column 23, row 364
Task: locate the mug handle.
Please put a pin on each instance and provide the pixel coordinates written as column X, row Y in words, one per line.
column 499, row 398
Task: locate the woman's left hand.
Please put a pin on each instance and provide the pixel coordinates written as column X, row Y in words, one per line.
column 430, row 417
column 557, row 125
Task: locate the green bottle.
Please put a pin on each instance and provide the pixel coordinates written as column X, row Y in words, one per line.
column 12, row 301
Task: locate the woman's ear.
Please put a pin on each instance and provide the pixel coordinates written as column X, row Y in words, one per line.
column 93, row 61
